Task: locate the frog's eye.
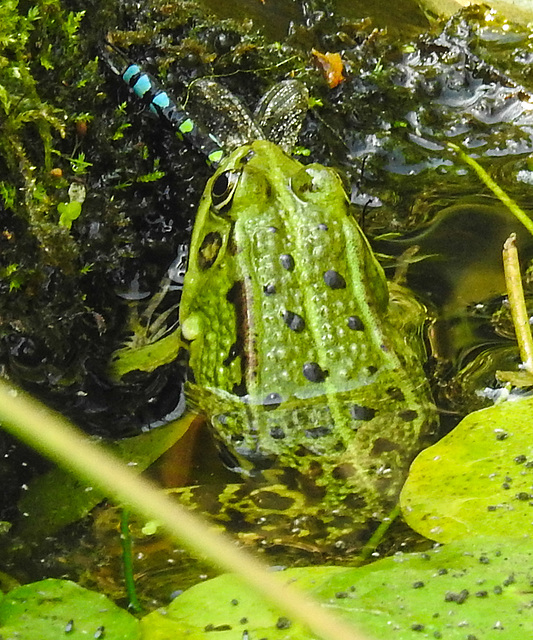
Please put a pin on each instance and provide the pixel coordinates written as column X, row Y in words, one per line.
column 302, row 184
column 313, row 181
column 223, row 189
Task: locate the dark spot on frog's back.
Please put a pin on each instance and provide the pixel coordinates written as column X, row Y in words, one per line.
column 313, row 372
column 277, row 433
column 343, row 471
column 408, row 415
column 395, row 394
column 334, row 280
column 355, row 323
column 315, row 469
column 235, row 296
column 294, row 321
column 317, row 432
column 354, row 501
column 359, row 412
column 383, row 445
column 271, row 500
column 272, row 401
column 287, row 261
column 209, row 250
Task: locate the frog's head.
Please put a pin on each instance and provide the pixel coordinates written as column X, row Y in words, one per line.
column 261, row 173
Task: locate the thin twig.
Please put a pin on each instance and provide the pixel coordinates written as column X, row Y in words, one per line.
column 517, row 303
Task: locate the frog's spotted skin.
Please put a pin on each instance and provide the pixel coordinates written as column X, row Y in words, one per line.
column 310, row 377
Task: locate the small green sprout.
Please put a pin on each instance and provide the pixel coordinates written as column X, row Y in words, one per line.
column 70, row 211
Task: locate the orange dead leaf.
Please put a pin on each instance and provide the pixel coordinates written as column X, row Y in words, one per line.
column 332, row 66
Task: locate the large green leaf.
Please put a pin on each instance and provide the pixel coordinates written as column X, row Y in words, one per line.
column 53, row 609
column 478, row 479
column 462, row 591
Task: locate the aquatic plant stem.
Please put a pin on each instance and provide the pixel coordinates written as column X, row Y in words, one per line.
column 379, row 533
column 513, row 207
column 52, row 435
column 127, row 560
column 517, row 303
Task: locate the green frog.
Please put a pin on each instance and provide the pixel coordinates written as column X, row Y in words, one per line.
column 305, row 362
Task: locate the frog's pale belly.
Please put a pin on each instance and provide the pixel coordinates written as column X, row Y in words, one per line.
column 311, row 379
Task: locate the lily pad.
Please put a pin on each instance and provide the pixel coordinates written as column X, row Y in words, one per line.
column 463, row 590
column 52, row 609
column 476, row 480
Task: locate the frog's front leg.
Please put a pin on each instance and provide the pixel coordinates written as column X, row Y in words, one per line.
column 153, row 341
